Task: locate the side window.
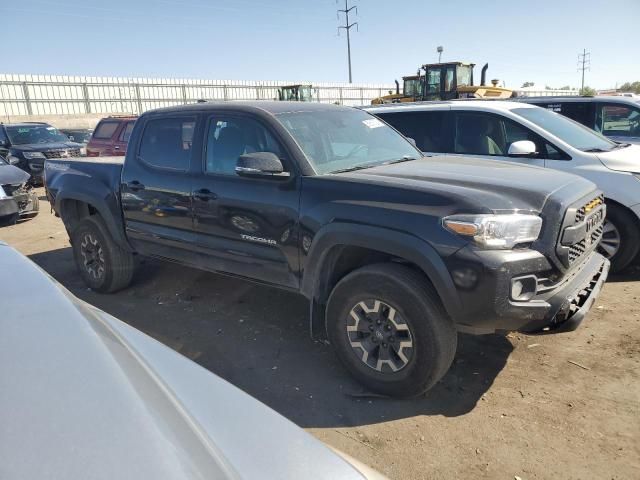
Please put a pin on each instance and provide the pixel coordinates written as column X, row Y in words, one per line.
column 479, row 134
column 426, row 128
column 229, row 137
column 166, row 143
column 618, row 120
column 126, row 132
column 105, row 130
column 3, row 137
column 515, row 132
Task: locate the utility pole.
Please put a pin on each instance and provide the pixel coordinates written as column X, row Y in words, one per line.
column 348, row 26
column 440, row 49
column 584, row 63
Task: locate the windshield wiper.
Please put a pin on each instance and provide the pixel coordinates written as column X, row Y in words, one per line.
column 364, row 166
column 595, row 150
column 406, row 158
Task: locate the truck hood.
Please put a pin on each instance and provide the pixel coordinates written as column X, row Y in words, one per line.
column 486, row 184
column 625, row 159
column 84, row 395
column 11, row 175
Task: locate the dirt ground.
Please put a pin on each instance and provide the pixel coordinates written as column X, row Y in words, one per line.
column 563, row 406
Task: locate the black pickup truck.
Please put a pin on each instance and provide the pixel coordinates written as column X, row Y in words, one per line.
column 395, row 251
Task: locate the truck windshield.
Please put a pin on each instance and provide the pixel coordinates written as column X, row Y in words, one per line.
column 341, row 140
column 29, row 134
column 573, row 133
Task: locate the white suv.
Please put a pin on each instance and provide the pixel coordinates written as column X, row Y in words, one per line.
column 518, row 132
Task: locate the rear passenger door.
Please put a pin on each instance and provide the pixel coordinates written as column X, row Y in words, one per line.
column 431, row 130
column 246, row 226
column 156, row 187
column 489, row 135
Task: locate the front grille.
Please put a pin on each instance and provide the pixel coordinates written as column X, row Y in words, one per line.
column 63, row 153
column 588, row 207
column 577, row 250
column 581, row 230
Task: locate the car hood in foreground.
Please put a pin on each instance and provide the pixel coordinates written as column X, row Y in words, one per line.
column 488, row 184
column 83, row 395
column 626, row 159
column 11, row 175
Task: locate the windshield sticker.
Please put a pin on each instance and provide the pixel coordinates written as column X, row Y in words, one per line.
column 373, row 123
column 23, row 130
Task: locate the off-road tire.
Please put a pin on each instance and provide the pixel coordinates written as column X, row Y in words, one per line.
column 115, row 268
column 411, row 295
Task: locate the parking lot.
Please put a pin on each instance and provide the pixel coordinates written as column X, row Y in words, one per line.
column 556, row 406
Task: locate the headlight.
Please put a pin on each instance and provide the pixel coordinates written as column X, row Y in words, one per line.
column 496, row 231
column 2, row 194
column 32, row 155
column 13, row 160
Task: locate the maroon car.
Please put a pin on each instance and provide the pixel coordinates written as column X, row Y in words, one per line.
column 111, row 136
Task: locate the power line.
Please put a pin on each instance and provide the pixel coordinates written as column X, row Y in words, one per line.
column 348, row 26
column 584, row 63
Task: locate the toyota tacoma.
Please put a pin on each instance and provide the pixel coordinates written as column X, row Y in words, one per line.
column 395, row 251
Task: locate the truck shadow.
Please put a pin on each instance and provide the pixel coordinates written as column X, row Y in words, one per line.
column 257, row 338
column 629, row 274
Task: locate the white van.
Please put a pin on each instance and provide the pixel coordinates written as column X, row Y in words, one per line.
column 530, row 135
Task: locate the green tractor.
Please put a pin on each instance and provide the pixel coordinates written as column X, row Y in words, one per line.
column 296, row 93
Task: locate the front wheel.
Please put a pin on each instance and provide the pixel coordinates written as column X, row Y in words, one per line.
column 390, row 330
column 103, row 265
column 620, row 238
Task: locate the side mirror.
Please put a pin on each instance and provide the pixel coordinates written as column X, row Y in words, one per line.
column 522, row 148
column 260, row 164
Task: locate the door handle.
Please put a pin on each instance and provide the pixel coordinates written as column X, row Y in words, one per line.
column 204, row 194
column 116, row 147
column 135, row 185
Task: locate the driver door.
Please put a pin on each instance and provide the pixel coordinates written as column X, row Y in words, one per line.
column 246, row 226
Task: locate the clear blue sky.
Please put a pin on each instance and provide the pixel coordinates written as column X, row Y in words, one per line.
column 522, row 40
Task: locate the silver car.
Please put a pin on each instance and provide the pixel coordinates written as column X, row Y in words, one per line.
column 85, row 396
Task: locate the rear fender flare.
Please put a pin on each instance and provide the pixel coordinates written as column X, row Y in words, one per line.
column 115, row 226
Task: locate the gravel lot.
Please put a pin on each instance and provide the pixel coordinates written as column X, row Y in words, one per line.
column 561, row 406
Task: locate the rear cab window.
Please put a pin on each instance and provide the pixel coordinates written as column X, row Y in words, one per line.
column 167, row 143
column 105, row 130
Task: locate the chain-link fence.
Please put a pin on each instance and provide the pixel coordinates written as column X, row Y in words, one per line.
column 62, row 95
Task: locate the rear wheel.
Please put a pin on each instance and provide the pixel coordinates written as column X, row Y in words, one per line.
column 103, row 264
column 620, row 238
column 390, row 330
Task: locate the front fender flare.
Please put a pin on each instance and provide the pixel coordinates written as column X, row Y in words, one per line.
column 391, row 242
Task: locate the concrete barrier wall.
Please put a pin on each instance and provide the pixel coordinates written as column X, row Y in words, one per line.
column 60, row 121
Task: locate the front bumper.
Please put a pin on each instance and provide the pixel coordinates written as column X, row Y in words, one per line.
column 560, row 302
column 24, row 204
